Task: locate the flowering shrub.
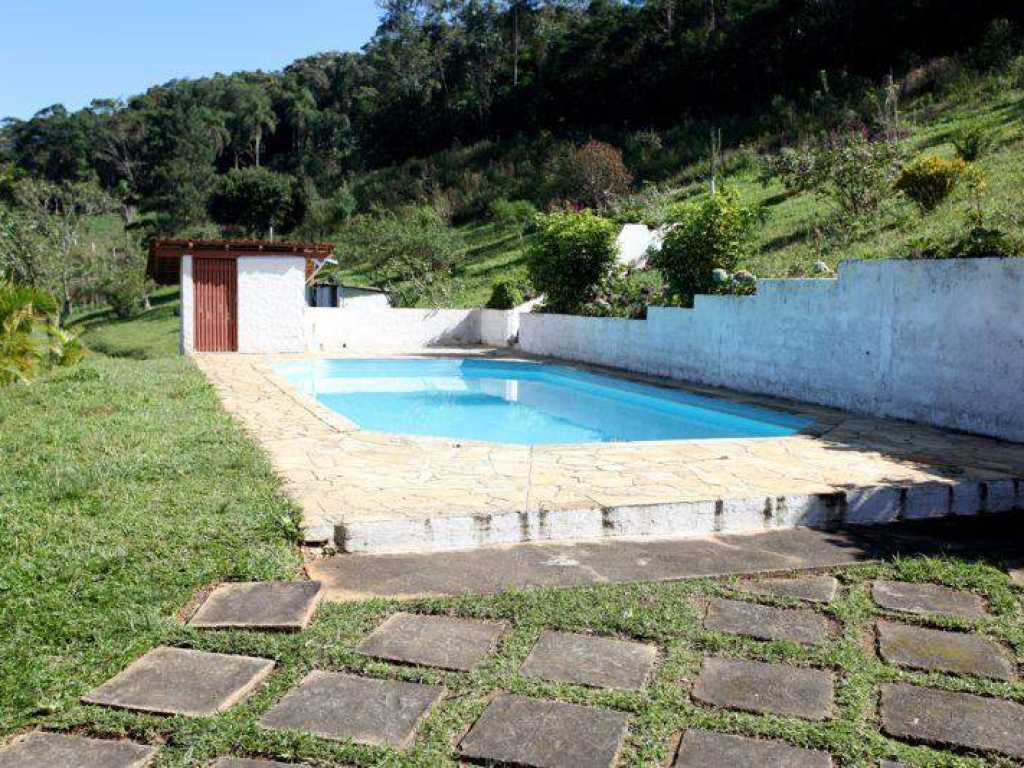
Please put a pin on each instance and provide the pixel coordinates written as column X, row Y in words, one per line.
column 928, row 181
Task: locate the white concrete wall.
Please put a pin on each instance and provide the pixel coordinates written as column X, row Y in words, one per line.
column 271, row 304
column 940, row 342
column 370, row 300
column 383, row 328
column 188, row 310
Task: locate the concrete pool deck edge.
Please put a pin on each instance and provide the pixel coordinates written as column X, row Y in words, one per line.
column 369, row 492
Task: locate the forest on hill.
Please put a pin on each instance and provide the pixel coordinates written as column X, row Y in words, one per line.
column 458, row 105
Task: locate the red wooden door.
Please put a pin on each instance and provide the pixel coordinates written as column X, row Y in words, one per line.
column 216, row 300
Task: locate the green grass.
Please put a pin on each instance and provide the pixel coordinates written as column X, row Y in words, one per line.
column 125, row 489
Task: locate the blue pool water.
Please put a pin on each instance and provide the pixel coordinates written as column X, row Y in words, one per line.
column 522, row 403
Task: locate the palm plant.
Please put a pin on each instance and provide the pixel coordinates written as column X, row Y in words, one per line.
column 21, row 310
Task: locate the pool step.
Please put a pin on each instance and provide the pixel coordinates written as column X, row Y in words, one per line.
column 874, row 505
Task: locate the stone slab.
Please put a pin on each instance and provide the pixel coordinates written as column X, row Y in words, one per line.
column 753, row 686
column 179, row 681
column 433, row 641
column 812, row 589
column 764, row 622
column 490, row 571
column 953, row 719
column 707, row 749
column 515, row 730
column 924, row 599
column 282, row 605
column 41, row 749
column 1017, row 576
column 599, row 662
column 940, row 651
column 891, row 764
column 340, row 706
column 244, row 762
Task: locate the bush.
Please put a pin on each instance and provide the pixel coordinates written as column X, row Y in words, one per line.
column 506, row 294
column 29, row 336
column 513, row 214
column 597, row 175
column 257, row 199
column 626, row 293
column 572, row 253
column 716, row 233
column 973, row 141
column 928, row 181
column 998, row 47
column 984, row 243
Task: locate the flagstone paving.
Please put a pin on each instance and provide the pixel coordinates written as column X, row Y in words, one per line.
column 339, row 706
column 812, row 589
column 433, row 641
column 599, row 662
column 707, row 749
column 924, row 599
column 41, row 749
column 377, row 492
column 957, row 719
column 178, row 681
column 940, row 651
column 284, row 605
column 764, row 622
column 754, row 686
column 519, row 731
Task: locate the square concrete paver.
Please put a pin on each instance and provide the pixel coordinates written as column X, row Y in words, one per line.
column 433, row 641
column 54, row 750
column 245, row 762
column 766, row 688
column 939, row 651
column 926, row 599
column 285, row 606
column 600, row 662
column 813, row 589
column 340, row 706
column 956, row 719
column 516, row 730
column 178, row 681
column 764, row 622
column 707, row 749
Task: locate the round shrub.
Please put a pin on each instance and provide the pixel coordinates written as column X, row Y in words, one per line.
column 506, row 294
column 598, row 175
column 571, row 254
column 928, row 181
column 707, row 239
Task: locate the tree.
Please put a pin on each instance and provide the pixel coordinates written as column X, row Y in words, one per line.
column 258, row 201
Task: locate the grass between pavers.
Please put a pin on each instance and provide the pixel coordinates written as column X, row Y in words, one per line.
column 665, row 614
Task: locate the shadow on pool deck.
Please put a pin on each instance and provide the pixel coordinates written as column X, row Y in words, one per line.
column 996, row 538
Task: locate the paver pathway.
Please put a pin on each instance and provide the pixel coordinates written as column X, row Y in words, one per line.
column 433, row 641
column 765, row 622
column 707, row 749
column 957, row 719
column 54, row 750
column 339, row 706
column 813, row 589
column 520, row 731
column 269, row 605
column 940, row 651
column 600, row 662
column 924, row 599
column 178, row 681
column 773, row 688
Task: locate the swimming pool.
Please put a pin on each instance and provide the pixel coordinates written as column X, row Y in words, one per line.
column 522, row 403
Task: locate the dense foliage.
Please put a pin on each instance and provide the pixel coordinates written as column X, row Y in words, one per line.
column 438, row 75
column 572, row 254
column 929, row 180
column 29, row 337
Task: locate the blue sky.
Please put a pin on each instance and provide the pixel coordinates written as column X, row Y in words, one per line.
column 72, row 51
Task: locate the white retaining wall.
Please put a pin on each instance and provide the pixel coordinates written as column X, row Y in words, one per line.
column 940, row 342
column 384, row 328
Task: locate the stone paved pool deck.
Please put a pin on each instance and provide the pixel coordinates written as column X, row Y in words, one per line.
column 372, row 492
